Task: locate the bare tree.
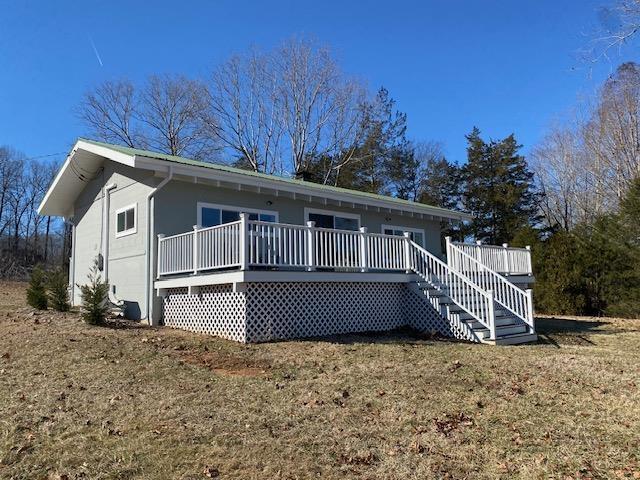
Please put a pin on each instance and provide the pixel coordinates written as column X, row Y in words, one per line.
column 109, row 113
column 280, row 110
column 619, row 24
column 243, row 111
column 566, row 178
column 612, row 135
column 313, row 94
column 166, row 114
column 9, row 169
column 173, row 109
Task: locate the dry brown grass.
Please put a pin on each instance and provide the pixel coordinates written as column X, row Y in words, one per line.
column 123, row 401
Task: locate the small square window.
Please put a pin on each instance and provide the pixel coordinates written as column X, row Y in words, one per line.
column 126, row 221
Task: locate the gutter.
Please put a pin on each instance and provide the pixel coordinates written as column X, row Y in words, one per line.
column 149, row 247
column 106, row 200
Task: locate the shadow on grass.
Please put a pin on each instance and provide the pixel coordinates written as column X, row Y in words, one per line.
column 403, row 335
column 561, row 331
column 123, row 324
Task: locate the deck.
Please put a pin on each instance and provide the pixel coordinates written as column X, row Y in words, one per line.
column 473, row 288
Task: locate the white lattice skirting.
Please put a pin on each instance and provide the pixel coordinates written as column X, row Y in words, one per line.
column 283, row 310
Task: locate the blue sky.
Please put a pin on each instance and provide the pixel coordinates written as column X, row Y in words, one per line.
column 503, row 65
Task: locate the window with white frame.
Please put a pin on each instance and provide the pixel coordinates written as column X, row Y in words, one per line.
column 210, row 214
column 330, row 219
column 126, row 220
column 415, row 234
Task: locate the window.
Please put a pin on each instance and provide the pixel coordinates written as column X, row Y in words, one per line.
column 126, row 220
column 335, row 220
column 415, row 234
column 210, row 215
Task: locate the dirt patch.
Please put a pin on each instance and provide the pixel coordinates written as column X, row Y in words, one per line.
column 224, row 364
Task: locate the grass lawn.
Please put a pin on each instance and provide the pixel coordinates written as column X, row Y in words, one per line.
column 125, row 401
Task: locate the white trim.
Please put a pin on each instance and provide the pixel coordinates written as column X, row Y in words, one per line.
column 132, row 230
column 402, row 228
column 99, row 150
column 309, row 190
column 233, row 208
column 333, row 213
column 312, row 192
column 248, row 276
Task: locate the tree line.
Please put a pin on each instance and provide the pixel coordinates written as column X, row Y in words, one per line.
column 292, row 111
column 26, row 238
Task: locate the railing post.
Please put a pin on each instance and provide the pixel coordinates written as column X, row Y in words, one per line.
column 364, row 257
column 532, row 324
column 478, row 250
column 159, row 262
column 492, row 316
column 447, row 249
column 311, row 246
column 407, row 252
column 244, row 241
column 505, row 252
column 529, row 265
column 195, row 249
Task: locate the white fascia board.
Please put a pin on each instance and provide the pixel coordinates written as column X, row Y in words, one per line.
column 309, row 191
column 106, row 152
column 55, row 182
column 87, row 147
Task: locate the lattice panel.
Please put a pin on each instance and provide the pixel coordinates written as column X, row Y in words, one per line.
column 275, row 311
column 294, row 310
column 423, row 316
column 215, row 310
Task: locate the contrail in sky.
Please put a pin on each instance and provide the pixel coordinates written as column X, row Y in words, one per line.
column 95, row 50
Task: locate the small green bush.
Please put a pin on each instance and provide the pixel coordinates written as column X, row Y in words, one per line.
column 58, row 291
column 95, row 298
column 37, row 292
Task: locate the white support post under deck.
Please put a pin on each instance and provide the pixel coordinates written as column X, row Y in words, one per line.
column 364, row 257
column 311, row 246
column 244, row 241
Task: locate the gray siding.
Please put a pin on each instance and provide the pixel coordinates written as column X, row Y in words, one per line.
column 126, row 254
column 176, row 210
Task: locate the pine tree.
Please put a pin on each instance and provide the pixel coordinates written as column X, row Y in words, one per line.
column 95, row 301
column 36, row 292
column 498, row 189
column 58, row 291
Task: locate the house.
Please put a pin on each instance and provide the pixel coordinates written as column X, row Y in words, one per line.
column 255, row 257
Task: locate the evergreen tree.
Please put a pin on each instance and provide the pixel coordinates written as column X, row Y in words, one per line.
column 36, row 292
column 58, row 291
column 95, row 298
column 384, row 144
column 498, row 189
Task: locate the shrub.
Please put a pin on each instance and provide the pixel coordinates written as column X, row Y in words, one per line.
column 58, row 291
column 37, row 292
column 95, row 298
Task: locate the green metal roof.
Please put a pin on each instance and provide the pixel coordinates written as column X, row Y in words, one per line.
column 226, row 168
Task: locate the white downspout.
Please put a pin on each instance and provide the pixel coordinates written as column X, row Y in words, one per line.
column 72, row 265
column 105, row 229
column 150, row 250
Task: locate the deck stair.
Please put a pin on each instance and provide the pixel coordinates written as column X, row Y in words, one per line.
column 463, row 300
column 509, row 329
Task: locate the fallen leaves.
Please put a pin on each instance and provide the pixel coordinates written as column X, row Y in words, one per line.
column 449, row 423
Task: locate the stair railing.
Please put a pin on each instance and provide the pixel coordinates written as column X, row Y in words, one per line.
column 516, row 301
column 477, row 302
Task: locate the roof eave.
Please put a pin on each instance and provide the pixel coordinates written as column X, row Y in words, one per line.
column 303, row 190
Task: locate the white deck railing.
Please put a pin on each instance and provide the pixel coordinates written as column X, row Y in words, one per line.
column 471, row 298
column 516, row 301
column 248, row 243
column 505, row 260
column 472, row 285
